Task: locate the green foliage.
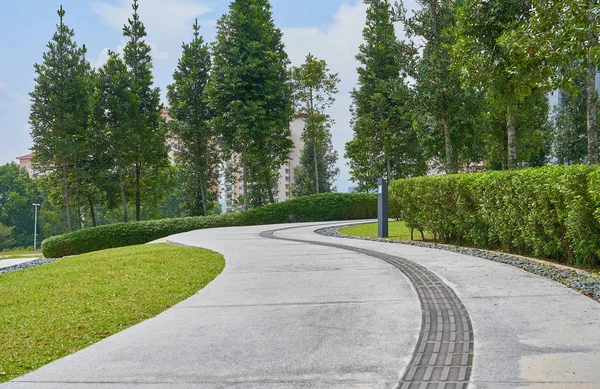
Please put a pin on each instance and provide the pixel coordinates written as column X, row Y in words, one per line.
column 322, row 207
column 484, row 60
column 17, row 194
column 149, row 150
column 314, row 93
column 384, row 142
column 551, row 211
column 250, row 92
column 60, row 110
column 6, row 239
column 304, row 175
column 569, row 122
column 114, row 108
column 445, row 108
column 199, row 157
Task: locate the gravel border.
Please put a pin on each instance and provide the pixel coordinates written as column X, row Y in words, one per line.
column 578, row 280
column 27, row 265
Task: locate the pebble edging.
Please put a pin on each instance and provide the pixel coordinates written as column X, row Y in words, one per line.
column 582, row 283
column 27, row 265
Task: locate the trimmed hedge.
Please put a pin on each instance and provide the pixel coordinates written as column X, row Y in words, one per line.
column 322, row 207
column 552, row 212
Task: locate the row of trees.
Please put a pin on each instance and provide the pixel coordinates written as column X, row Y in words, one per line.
column 97, row 133
column 99, row 137
column 470, row 86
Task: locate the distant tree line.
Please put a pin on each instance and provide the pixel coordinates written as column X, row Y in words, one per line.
column 102, row 146
column 468, row 87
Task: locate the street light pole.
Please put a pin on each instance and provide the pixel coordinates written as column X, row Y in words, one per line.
column 35, row 227
column 382, row 208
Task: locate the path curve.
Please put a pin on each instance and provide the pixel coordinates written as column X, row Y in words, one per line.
column 443, row 356
column 286, row 314
column 281, row 315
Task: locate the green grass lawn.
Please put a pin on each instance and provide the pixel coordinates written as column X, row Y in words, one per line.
column 397, row 231
column 20, row 253
column 56, row 309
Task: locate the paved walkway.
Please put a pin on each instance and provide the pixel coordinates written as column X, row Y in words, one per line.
column 11, row 262
column 290, row 314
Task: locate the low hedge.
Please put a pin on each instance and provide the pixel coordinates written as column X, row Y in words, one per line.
column 552, row 212
column 322, row 207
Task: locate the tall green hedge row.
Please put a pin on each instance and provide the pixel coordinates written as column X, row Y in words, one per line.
column 322, row 207
column 552, row 212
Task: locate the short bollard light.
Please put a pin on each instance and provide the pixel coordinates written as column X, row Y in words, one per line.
column 382, row 208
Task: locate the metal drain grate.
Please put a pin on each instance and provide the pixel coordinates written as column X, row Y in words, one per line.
column 443, row 358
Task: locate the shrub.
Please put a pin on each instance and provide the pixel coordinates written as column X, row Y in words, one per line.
column 552, row 212
column 322, row 207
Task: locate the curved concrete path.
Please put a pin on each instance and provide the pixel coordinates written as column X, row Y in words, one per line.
column 12, row 262
column 288, row 314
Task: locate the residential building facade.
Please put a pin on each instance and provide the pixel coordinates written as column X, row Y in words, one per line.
column 233, row 188
column 25, row 162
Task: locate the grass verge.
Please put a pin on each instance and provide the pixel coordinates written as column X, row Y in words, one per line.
column 56, row 309
column 397, row 231
column 21, row 253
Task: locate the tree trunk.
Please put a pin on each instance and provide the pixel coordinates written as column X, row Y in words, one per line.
column 592, row 99
column 269, row 187
column 123, row 197
column 203, row 191
column 511, row 132
column 66, row 193
column 92, row 212
column 316, row 166
column 245, row 184
column 138, row 193
column 79, row 213
column 388, row 167
column 450, row 168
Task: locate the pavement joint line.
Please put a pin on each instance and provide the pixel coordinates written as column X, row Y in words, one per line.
column 272, row 382
column 440, row 308
column 293, row 304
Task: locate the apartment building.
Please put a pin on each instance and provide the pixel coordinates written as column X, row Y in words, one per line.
column 232, row 188
column 25, row 162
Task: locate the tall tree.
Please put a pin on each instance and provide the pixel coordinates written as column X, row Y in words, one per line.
column 250, row 92
column 484, row 61
column 384, row 142
column 59, row 109
column 150, row 152
column 314, row 93
column 441, row 100
column 569, row 121
column 115, row 106
column 559, row 32
column 199, row 157
column 304, row 175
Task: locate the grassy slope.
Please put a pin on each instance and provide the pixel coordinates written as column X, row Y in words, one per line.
column 53, row 310
column 397, row 231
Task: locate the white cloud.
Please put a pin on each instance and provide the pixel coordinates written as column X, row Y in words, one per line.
column 103, row 55
column 159, row 16
column 338, row 45
column 167, row 22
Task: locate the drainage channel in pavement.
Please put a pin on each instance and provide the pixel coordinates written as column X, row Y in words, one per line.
column 443, row 358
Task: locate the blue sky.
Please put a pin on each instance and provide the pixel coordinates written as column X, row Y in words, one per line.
column 330, row 29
